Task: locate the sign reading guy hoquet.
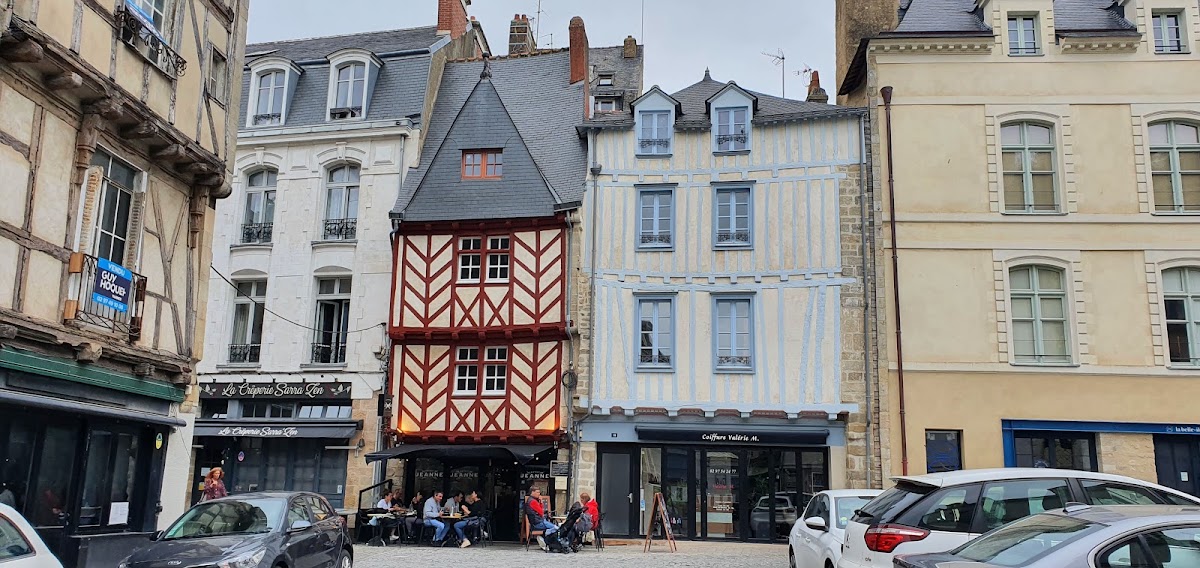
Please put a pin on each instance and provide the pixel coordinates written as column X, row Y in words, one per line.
column 112, row 286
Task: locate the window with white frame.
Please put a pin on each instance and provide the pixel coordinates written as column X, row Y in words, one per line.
column 249, row 307
column 155, row 10
column 1181, row 296
column 349, row 91
column 333, row 320
column 498, row 259
column 1028, row 154
column 495, row 370
column 258, row 224
column 656, row 220
column 218, row 72
column 656, row 335
column 1169, row 32
column 605, row 104
column 270, row 90
column 654, row 136
column 732, row 218
column 1175, row 166
column 466, row 371
column 341, row 210
column 1038, row 298
column 1023, row 36
column 733, row 334
column 113, row 230
column 731, row 135
column 470, row 259
column 605, row 80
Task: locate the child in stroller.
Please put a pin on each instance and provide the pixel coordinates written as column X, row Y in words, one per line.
column 569, row 536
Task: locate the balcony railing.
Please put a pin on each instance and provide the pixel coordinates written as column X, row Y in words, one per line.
column 270, row 118
column 341, row 229
column 651, row 358
column 244, row 353
column 733, row 237
column 142, row 36
column 345, row 112
column 256, row 233
column 735, row 138
column 654, row 143
column 656, row 239
column 329, row 353
column 106, row 295
column 733, row 360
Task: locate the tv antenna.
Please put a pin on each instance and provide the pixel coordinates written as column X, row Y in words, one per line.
column 780, row 60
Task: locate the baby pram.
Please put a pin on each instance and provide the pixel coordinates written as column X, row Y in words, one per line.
column 567, row 538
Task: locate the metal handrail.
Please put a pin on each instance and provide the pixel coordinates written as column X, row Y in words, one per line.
column 341, row 229
column 83, row 307
column 148, row 42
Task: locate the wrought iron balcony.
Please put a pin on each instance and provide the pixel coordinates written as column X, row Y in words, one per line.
column 733, row 238
column 141, row 35
column 256, row 233
column 648, row 357
column 244, row 353
column 329, row 353
column 656, row 239
column 654, row 143
column 341, row 229
column 345, row 112
column 269, row 118
column 740, row 138
column 105, row 295
column 733, row 360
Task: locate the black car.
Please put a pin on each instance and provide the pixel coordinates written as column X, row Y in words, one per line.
column 253, row 530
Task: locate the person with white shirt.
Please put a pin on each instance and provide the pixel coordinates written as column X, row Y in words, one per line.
column 431, row 511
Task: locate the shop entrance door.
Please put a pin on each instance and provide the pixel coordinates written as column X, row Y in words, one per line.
column 1177, row 459
column 616, row 492
column 210, row 456
column 504, row 500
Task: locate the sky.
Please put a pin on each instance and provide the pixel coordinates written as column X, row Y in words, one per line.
column 682, row 37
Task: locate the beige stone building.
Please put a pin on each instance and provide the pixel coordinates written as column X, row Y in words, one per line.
column 115, row 138
column 1043, row 160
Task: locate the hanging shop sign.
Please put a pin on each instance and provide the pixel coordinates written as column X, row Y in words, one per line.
column 324, row 391
column 560, row 468
column 113, row 286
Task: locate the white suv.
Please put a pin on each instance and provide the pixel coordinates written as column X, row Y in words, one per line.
column 938, row 512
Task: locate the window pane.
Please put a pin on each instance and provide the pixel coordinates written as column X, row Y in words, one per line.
column 1172, row 280
column 1041, row 162
column 1043, row 192
column 1190, row 191
column 1052, row 308
column 1179, row 343
column 1011, row 500
column 1010, row 135
column 1038, row 135
column 1160, row 161
column 125, row 470
column 1014, row 191
column 1019, row 279
column 1014, row 162
column 1054, row 338
column 1049, row 279
column 948, row 510
column 1023, row 344
column 1189, row 161
column 1022, row 308
column 1187, row 133
column 1158, row 133
column 95, row 480
column 1176, row 309
column 1113, row 493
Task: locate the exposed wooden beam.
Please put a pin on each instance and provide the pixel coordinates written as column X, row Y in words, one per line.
column 65, row 81
column 210, row 180
column 199, row 168
column 108, row 107
column 140, row 130
column 170, row 153
column 26, row 51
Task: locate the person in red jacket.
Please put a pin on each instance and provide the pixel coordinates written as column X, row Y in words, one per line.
column 591, row 507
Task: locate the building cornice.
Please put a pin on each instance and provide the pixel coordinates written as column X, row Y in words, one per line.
column 933, row 45
column 258, row 136
column 1084, row 44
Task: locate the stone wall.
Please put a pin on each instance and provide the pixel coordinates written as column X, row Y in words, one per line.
column 359, row 473
column 857, row 20
column 1127, row 454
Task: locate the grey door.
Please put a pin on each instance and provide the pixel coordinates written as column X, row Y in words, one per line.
column 616, row 492
column 1177, row 459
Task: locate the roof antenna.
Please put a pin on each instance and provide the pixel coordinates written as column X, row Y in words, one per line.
column 780, row 60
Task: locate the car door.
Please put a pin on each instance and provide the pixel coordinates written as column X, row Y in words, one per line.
column 1175, row 546
column 824, row 541
column 300, row 545
column 806, row 549
column 328, row 526
column 1003, row 502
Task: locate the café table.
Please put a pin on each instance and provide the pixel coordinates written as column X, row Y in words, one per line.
column 379, row 519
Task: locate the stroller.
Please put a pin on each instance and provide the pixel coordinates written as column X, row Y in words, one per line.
column 567, row 538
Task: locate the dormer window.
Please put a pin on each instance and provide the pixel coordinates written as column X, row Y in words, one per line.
column 1022, row 35
column 351, row 88
column 606, row 104
column 731, row 134
column 270, row 94
column 654, row 134
column 606, row 80
column 482, row 164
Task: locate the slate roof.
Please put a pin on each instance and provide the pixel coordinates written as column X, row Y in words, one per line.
column 1091, row 15
column 529, row 108
column 399, row 92
column 919, row 17
column 627, row 72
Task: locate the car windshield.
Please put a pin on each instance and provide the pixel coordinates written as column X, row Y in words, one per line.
column 846, row 506
column 1022, row 542
column 228, row 516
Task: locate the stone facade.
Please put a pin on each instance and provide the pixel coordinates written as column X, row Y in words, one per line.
column 1127, row 454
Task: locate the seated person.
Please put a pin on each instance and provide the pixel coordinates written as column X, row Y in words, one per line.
column 410, row 523
column 388, row 524
column 591, row 513
column 433, row 507
column 474, row 512
column 453, row 503
column 535, row 512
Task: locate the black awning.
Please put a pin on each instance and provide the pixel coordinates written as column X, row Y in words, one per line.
column 522, row 453
column 734, row 435
column 68, row 405
column 226, row 428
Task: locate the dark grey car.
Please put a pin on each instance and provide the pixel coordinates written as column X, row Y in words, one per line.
column 1081, row 536
column 253, row 530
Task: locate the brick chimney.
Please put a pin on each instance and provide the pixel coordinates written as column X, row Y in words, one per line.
column 452, row 17
column 630, row 50
column 815, row 93
column 579, row 50
column 520, row 36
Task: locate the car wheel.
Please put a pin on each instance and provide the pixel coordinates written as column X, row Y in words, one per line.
column 344, row 560
column 791, row 558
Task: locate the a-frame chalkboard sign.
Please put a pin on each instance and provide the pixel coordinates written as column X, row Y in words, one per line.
column 658, row 515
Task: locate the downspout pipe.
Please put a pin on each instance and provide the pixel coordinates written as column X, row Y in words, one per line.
column 886, row 93
column 868, row 284
column 595, row 169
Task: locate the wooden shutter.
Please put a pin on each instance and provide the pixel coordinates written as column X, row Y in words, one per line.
column 90, row 200
column 133, row 233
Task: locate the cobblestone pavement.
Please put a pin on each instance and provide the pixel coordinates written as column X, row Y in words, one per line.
column 690, row 554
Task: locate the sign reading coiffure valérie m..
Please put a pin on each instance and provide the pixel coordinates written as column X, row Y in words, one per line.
column 325, row 391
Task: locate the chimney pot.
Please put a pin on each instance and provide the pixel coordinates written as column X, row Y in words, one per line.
column 815, row 93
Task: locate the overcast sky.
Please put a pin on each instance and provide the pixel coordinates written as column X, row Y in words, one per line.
column 682, row 37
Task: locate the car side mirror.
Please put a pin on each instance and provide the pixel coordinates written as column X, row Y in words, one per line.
column 157, row 535
column 299, row 526
column 816, row 523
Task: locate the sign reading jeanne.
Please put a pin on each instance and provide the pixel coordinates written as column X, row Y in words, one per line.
column 327, row 391
column 112, row 286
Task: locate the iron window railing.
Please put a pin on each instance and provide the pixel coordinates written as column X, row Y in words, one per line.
column 341, row 229
column 148, row 42
column 244, row 353
column 733, row 237
column 656, row 238
column 345, row 112
column 329, row 353
column 89, row 301
column 739, row 138
column 257, row 233
column 654, row 143
column 269, row 118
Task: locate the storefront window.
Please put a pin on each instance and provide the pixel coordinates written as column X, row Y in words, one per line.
column 54, row 471
column 760, row 498
column 95, row 481
column 1063, row 450
column 17, row 441
column 651, row 483
column 333, row 472
column 675, row 488
column 722, row 492
column 465, row 479
column 427, row 476
column 108, row 479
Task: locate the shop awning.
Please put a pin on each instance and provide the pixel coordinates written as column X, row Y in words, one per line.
column 226, row 429
column 521, row 453
column 74, row 406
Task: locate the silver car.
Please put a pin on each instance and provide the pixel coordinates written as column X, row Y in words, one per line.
column 1081, row 536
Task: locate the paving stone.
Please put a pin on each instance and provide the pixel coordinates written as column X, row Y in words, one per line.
column 690, row 554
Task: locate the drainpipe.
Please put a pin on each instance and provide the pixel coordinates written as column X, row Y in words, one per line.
column 865, row 229
column 594, row 169
column 886, row 92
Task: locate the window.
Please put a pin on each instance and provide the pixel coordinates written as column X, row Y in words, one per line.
column 248, row 310
column 655, row 135
column 333, row 320
column 1168, row 32
column 1028, row 156
column 943, row 450
column 1181, row 294
column 495, row 370
column 1007, row 501
column 466, row 372
column 1167, row 547
column 498, row 259
column 269, row 96
column 326, row 412
column 214, row 409
column 108, row 482
column 297, row 512
column 154, row 10
column 948, row 510
column 733, row 218
column 12, row 543
column 733, row 335
column 656, row 339
column 258, row 224
column 112, row 231
column 1023, row 36
column 341, row 211
column 1114, row 493
column 469, row 259
column 482, row 164
column 217, row 77
column 1062, row 450
column 1175, row 166
column 606, row 80
column 605, row 104
column 731, row 130
column 656, row 221
column 267, row 409
column 349, row 91
column 1039, row 314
